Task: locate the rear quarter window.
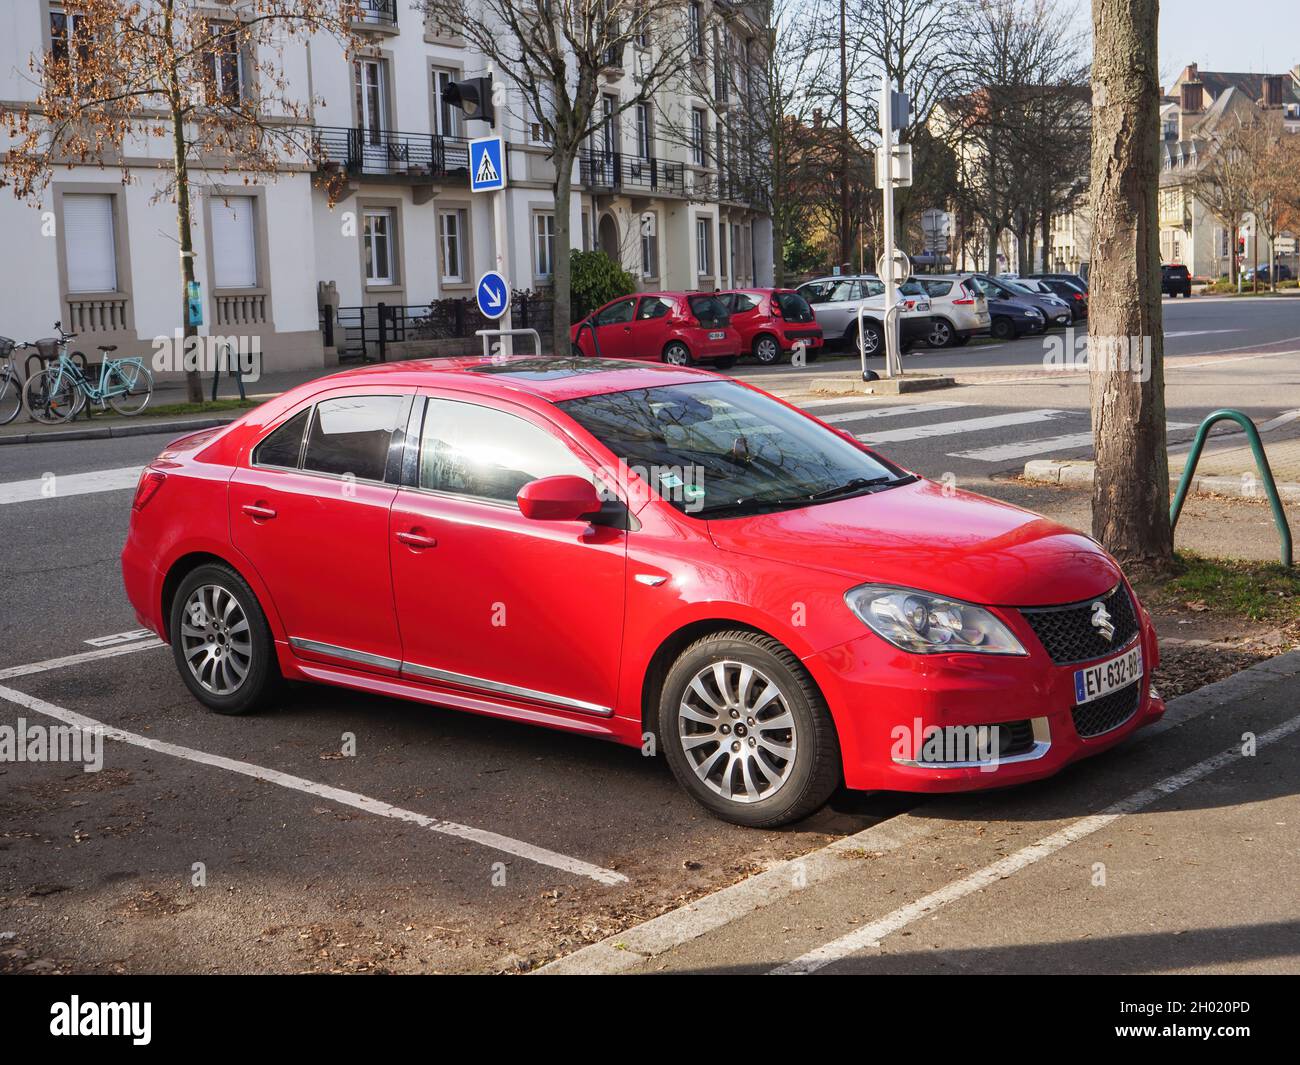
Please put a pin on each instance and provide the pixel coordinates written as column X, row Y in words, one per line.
column 284, row 446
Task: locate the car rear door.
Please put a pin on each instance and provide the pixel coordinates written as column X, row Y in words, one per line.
column 309, row 511
column 491, row 603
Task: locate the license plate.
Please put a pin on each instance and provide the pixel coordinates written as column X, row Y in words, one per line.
column 1106, row 677
column 718, row 336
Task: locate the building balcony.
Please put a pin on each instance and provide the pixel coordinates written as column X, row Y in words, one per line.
column 376, row 16
column 393, row 157
column 616, row 172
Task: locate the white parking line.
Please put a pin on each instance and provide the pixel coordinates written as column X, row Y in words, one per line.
column 56, row 486
column 966, row 425
column 76, row 660
column 887, row 412
column 871, row 934
column 1024, row 448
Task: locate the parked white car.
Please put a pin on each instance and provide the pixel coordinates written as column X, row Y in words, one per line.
column 958, row 309
column 836, row 301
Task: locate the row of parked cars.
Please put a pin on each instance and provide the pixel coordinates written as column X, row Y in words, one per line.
column 768, row 324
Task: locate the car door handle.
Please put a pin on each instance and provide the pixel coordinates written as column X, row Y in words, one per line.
column 416, row 540
column 258, row 512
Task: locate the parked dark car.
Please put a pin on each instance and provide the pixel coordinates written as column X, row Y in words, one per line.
column 1010, row 315
column 1076, row 297
column 1175, row 280
column 1283, row 273
column 1078, row 280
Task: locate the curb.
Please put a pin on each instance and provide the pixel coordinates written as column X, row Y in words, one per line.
column 885, row 386
column 1080, row 472
column 114, row 431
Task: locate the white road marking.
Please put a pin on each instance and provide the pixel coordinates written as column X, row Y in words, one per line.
column 966, row 425
column 870, row 935
column 493, row 840
column 57, row 486
column 77, row 659
column 887, row 412
column 1024, row 448
column 1197, row 332
column 118, row 637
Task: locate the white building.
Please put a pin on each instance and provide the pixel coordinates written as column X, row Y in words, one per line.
column 101, row 256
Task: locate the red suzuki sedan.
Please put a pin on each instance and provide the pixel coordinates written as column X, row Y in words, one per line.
column 617, row 549
column 679, row 328
column 772, row 322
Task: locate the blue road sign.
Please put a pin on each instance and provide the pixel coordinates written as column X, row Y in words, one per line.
column 493, row 294
column 487, row 164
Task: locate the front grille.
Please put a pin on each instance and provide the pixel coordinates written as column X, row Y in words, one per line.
column 1014, row 737
column 1108, row 712
column 1068, row 634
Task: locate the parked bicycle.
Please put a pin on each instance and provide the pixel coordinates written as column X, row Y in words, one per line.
column 60, row 392
column 11, row 383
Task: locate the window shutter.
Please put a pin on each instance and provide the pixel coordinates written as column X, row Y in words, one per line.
column 89, row 244
column 234, row 243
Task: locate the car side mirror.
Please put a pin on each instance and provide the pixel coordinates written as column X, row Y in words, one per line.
column 561, row 498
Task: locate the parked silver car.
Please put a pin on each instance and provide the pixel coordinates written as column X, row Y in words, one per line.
column 958, row 309
column 836, row 301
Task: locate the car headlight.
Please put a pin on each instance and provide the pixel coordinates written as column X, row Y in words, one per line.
column 929, row 624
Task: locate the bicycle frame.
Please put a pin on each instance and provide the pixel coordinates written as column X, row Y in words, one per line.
column 94, row 393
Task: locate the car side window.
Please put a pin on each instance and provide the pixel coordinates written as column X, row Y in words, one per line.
column 652, row 307
column 742, row 302
column 937, row 288
column 350, row 436
column 470, row 450
column 284, row 446
column 616, row 313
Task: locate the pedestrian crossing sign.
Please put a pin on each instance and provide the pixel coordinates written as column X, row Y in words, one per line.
column 487, row 164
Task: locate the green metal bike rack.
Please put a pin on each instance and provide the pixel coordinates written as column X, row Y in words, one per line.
column 1261, row 460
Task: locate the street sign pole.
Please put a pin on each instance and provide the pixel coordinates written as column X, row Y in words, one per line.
column 501, row 238
column 892, row 359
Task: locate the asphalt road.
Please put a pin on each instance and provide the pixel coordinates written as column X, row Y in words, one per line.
column 523, row 844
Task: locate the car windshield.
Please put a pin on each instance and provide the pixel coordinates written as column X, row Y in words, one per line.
column 716, row 449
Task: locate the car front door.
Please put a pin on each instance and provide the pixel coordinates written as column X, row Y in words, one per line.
column 492, row 603
column 614, row 328
column 649, row 333
column 309, row 510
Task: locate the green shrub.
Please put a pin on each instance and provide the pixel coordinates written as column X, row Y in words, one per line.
column 596, row 279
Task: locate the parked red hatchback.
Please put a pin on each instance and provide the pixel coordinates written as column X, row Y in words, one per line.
column 679, row 328
column 618, row 549
column 772, row 321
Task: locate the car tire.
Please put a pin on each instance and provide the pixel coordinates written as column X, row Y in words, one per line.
column 729, row 786
column 228, row 675
column 1002, row 329
column 766, row 350
column 874, row 337
column 678, row 354
column 941, row 334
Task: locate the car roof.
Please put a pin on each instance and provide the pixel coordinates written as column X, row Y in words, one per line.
column 551, row 378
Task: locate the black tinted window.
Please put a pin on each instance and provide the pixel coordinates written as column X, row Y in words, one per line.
column 284, row 446
column 653, row 307
column 478, row 451
column 794, row 308
column 708, row 309
column 350, row 436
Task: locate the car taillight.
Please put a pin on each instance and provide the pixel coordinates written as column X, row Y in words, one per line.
column 1078, row 295
column 776, row 310
column 964, row 303
column 147, row 488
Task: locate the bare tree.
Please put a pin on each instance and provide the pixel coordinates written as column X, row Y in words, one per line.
column 1225, row 183
column 553, row 53
column 209, row 81
column 1130, row 495
column 1273, row 182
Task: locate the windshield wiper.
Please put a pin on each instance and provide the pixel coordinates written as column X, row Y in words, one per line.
column 858, row 484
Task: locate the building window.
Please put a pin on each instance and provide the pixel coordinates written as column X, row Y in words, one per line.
column 68, row 46
column 90, row 242
column 446, row 118
column 543, row 245
column 649, row 246
column 704, row 246
column 234, row 243
column 223, row 67
column 699, row 128
column 586, row 230
column 644, row 132
column 641, row 25
column 378, row 228
column 695, row 28
column 451, row 236
column 540, row 125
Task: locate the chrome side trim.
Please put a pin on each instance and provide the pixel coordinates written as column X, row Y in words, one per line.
column 429, row 673
column 345, row 653
column 1042, row 744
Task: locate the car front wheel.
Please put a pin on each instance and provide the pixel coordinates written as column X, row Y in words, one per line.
column 221, row 641
column 746, row 731
column 1002, row 329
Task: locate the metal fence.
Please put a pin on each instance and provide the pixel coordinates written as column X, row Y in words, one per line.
column 392, row 153
column 369, row 332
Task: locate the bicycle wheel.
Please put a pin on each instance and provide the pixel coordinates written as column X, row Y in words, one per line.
column 11, row 396
column 129, row 387
column 52, row 398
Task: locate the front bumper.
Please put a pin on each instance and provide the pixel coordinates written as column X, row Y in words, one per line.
column 883, row 699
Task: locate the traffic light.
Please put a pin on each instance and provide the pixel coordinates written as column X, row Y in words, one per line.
column 474, row 97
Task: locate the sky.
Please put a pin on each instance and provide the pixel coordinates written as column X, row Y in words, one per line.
column 1256, row 36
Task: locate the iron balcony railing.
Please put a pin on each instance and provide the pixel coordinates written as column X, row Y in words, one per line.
column 383, row 12
column 389, row 153
column 614, row 170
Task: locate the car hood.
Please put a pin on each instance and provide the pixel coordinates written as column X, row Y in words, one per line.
column 930, row 538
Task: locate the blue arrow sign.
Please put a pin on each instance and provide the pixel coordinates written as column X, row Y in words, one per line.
column 487, row 164
column 493, row 294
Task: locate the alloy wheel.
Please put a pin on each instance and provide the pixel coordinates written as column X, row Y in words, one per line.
column 940, row 333
column 737, row 732
column 215, row 639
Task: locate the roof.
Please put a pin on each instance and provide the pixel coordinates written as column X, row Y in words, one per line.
column 553, row 379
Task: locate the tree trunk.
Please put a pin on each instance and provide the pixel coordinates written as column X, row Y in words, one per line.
column 1130, row 495
column 1046, row 231
column 193, row 379
column 778, row 251
column 562, row 282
